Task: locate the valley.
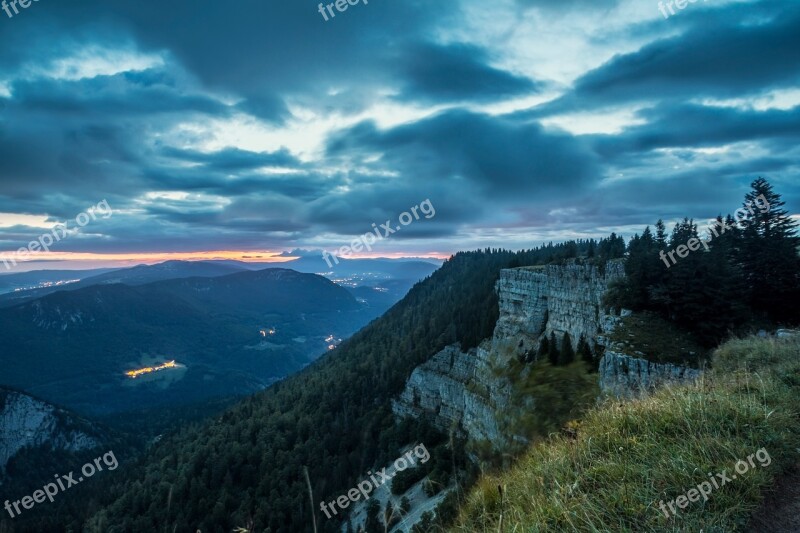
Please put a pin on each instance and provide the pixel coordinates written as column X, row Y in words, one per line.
column 232, row 334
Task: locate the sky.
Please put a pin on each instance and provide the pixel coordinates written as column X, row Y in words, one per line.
column 258, row 130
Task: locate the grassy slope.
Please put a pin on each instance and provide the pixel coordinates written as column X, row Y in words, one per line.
column 628, row 456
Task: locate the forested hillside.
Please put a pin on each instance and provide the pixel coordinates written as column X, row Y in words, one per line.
column 246, row 468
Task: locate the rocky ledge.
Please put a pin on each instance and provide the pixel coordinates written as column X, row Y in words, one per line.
column 624, row 376
column 28, row 422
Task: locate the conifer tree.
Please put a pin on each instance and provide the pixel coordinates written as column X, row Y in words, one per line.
column 552, row 349
column 567, row 355
column 768, row 254
column 544, row 348
column 585, row 352
column 373, row 523
column 661, row 235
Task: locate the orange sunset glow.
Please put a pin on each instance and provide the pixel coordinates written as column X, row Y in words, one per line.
column 127, row 259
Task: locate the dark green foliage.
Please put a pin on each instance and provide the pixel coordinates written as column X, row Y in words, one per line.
column 565, row 392
column 405, row 505
column 446, row 512
column 567, row 354
column 544, row 349
column 373, row 523
column 584, row 352
column 611, row 248
column 425, row 525
column 750, row 272
column 553, row 352
column 767, row 254
column 404, row 479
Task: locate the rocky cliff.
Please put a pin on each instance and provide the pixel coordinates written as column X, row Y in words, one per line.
column 28, row 422
column 466, row 391
column 624, row 376
column 457, row 391
column 537, row 301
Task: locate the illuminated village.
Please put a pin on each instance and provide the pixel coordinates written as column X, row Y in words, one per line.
column 133, row 374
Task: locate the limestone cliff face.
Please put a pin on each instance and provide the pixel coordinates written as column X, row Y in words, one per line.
column 463, row 391
column 457, row 391
column 26, row 421
column 537, row 301
column 624, row 376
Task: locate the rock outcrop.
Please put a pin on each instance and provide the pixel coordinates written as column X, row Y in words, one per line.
column 464, row 391
column 538, row 301
column 624, row 376
column 627, row 377
column 457, row 390
column 28, row 422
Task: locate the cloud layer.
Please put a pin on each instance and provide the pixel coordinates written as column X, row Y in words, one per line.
column 258, row 126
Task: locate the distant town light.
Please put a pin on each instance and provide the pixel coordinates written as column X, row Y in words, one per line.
column 148, row 369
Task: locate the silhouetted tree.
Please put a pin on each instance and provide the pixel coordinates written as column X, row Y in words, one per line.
column 585, row 352
column 768, row 253
column 544, row 349
column 552, row 349
column 567, row 353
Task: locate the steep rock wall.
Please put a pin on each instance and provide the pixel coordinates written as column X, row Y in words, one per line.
column 27, row 421
column 462, row 391
column 538, row 301
column 456, row 390
column 624, row 376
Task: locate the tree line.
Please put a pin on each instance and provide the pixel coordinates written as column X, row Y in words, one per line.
column 745, row 277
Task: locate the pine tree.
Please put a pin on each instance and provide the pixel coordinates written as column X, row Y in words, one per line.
column 426, row 523
column 661, row 235
column 552, row 349
column 584, row 351
column 544, row 349
column 567, row 355
column 768, row 254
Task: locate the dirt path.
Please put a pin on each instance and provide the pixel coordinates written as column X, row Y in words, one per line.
column 781, row 511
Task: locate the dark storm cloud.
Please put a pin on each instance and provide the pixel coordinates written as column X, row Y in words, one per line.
column 97, row 133
column 234, row 159
column 120, row 96
column 742, row 50
column 260, row 50
column 486, row 155
column 77, row 137
column 457, row 72
column 692, row 125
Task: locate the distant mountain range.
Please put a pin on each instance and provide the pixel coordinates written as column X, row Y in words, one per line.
column 403, row 274
column 138, row 275
column 228, row 335
column 20, row 281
